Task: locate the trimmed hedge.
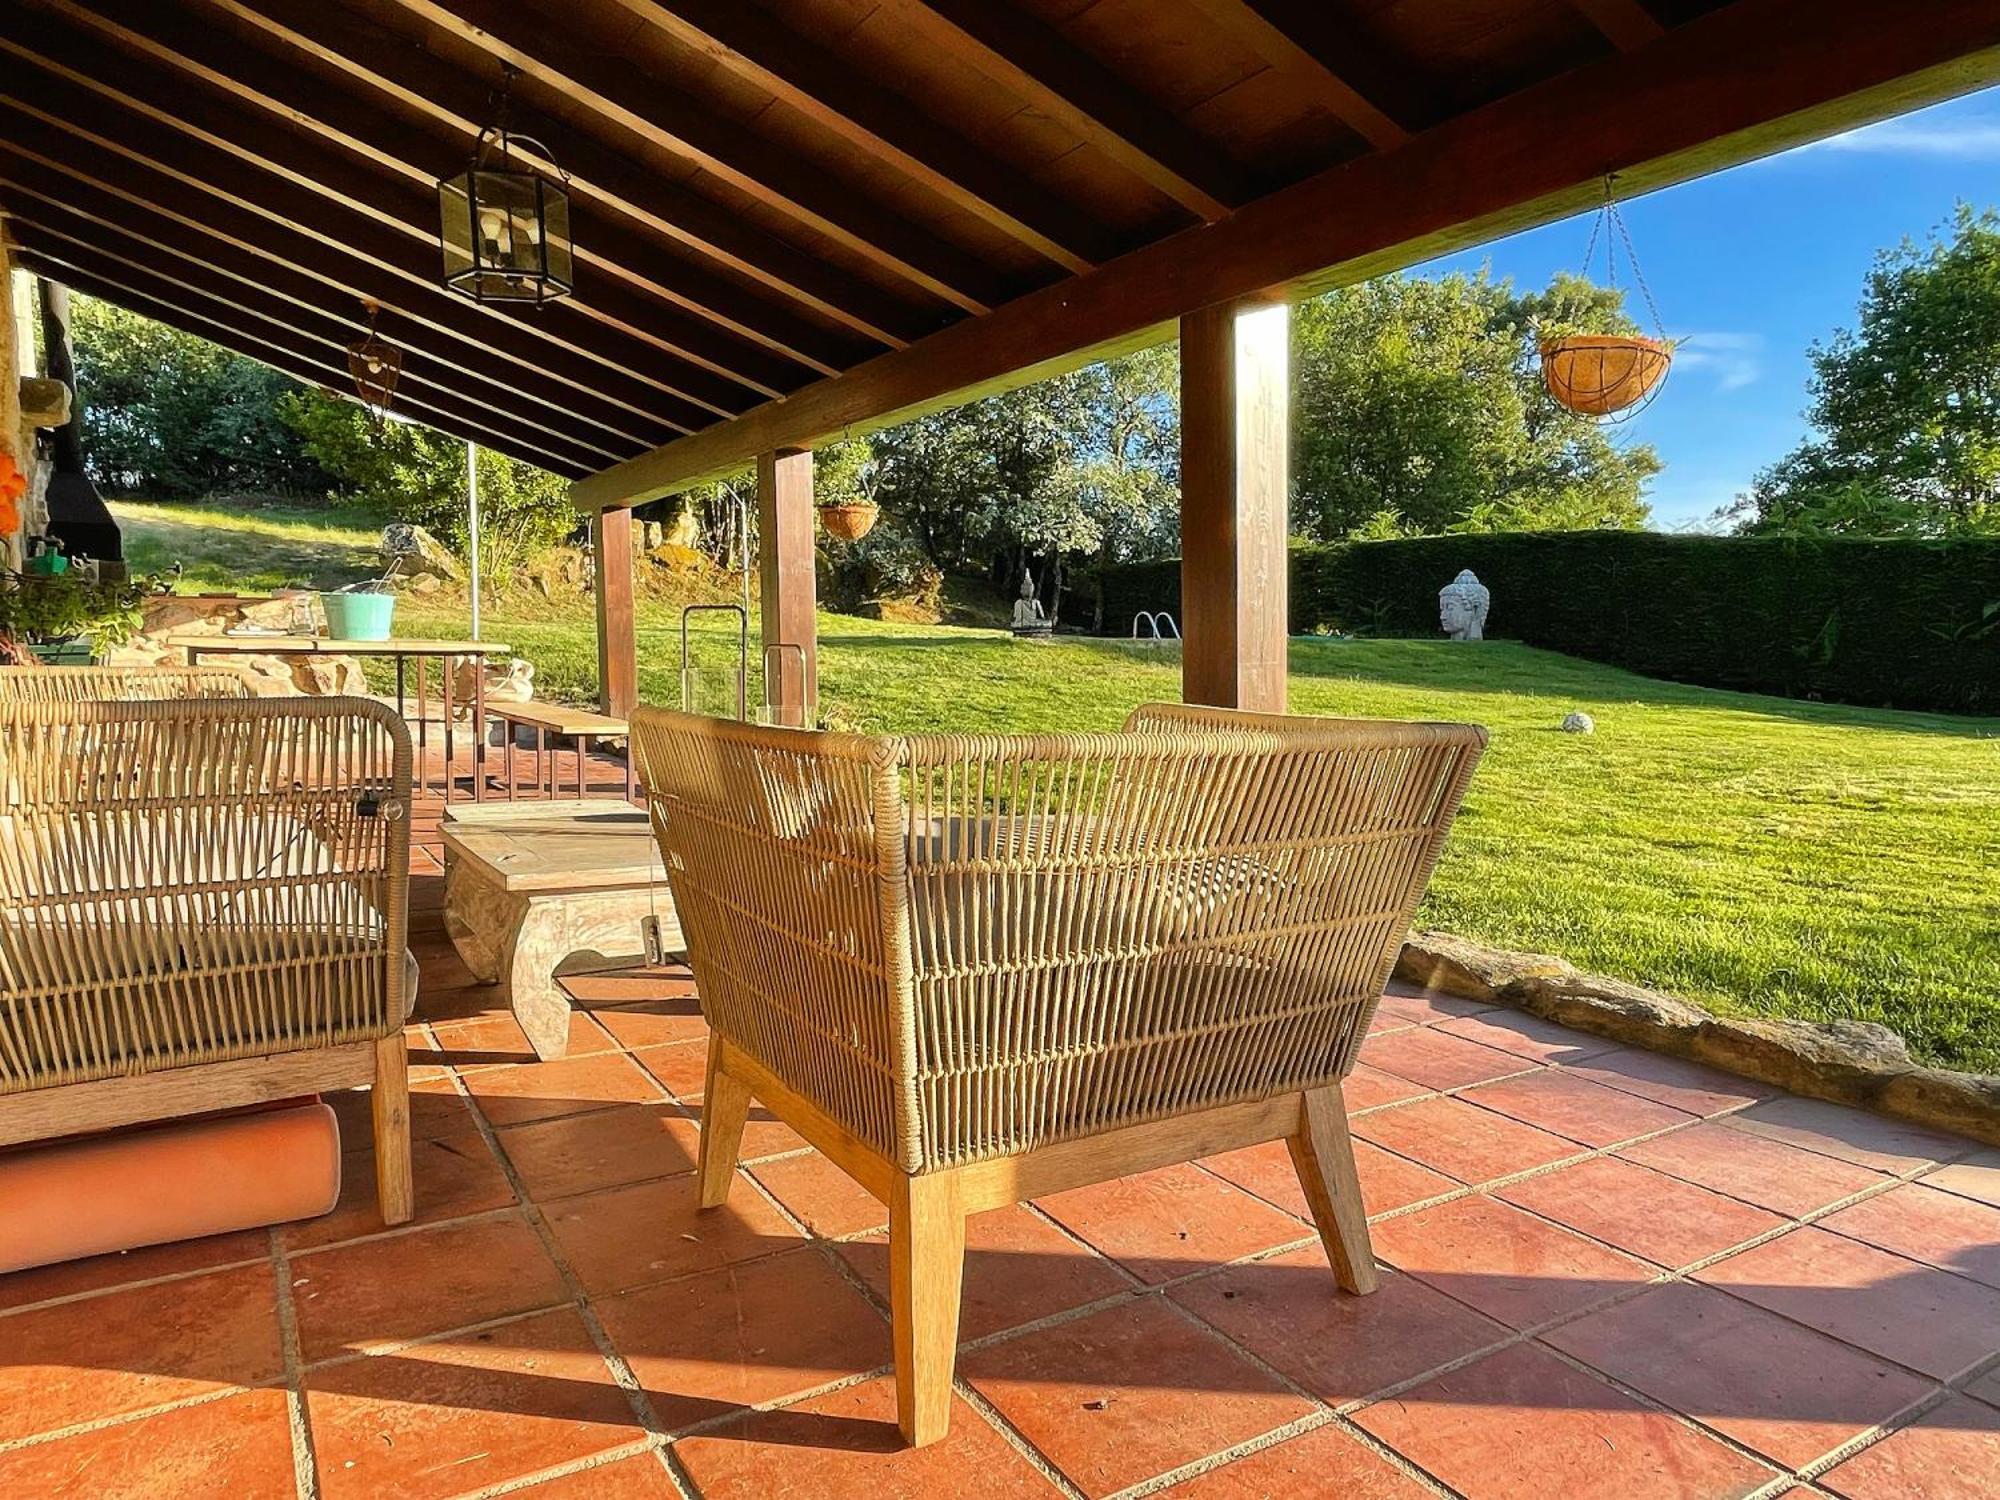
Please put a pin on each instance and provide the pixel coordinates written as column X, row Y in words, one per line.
column 1893, row 623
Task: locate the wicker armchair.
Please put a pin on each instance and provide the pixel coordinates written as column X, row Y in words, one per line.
column 203, row 904
column 120, row 684
column 974, row 971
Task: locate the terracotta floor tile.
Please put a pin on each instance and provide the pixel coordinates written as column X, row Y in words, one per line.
column 1508, row 1264
column 1326, row 1464
column 1387, row 1181
column 436, row 1108
column 821, row 1196
column 1768, row 1383
column 1523, row 1423
column 1978, row 1176
column 656, row 1022
column 1171, row 1222
column 1767, row 1173
column 1128, row 1393
column 680, row 1067
column 1289, row 1312
column 1691, row 1086
column 1952, row 1453
column 1670, row 1222
column 1527, row 1035
column 101, row 1272
column 404, row 1286
column 1018, row 1268
column 641, row 1477
column 466, row 1411
column 1851, row 1135
column 1427, row 1006
column 238, row 1448
column 490, row 1040
column 1938, row 1228
column 1437, row 1060
column 455, row 1175
column 1986, row 1387
column 1371, row 1088
column 764, row 1136
column 625, row 1237
column 607, row 1148
column 1471, row 1144
column 543, row 1091
column 745, row 1335
column 1926, row 1319
column 1559, row 1102
column 136, row 1347
column 845, row 1446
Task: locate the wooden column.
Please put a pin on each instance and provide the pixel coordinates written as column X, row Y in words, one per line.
column 15, row 440
column 786, row 586
column 1235, row 478
column 617, row 649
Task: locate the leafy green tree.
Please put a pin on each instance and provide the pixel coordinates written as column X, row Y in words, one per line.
column 1905, row 407
column 169, row 416
column 1419, row 409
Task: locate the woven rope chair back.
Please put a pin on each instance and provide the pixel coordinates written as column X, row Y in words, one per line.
column 970, row 947
column 120, row 684
column 191, row 881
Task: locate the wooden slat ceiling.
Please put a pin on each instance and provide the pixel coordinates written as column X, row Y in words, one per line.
column 765, row 195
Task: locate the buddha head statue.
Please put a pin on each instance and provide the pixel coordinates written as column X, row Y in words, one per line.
column 1462, row 606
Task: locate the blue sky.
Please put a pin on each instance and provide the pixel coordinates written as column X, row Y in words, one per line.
column 1751, row 265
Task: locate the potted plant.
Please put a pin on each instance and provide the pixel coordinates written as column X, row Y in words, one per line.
column 69, row 617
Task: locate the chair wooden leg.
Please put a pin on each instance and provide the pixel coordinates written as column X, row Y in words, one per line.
column 926, row 1268
column 1323, row 1156
column 391, row 1099
column 725, row 1108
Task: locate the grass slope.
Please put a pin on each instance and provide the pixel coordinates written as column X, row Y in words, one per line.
column 1757, row 854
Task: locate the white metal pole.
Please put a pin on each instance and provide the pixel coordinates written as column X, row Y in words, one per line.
column 472, row 511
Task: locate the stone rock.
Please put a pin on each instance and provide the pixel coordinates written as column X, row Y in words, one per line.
column 425, row 584
column 44, row 402
column 290, row 612
column 1462, row 607
column 321, row 676
column 506, row 682
column 1578, row 723
column 410, row 549
column 651, row 534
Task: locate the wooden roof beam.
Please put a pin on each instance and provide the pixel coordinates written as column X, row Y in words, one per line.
column 751, row 44
column 1347, row 70
column 1738, row 83
column 428, row 86
column 1039, row 63
column 1626, row 24
column 623, row 94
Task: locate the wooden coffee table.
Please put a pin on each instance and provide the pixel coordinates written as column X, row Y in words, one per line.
column 535, row 890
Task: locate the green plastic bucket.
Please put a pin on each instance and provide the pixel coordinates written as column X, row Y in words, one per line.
column 358, row 617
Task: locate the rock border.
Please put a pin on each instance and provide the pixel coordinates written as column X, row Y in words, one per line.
column 1849, row 1062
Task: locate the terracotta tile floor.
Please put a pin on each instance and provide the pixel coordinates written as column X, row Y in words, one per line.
column 1608, row 1274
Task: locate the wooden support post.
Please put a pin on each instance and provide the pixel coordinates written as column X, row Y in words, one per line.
column 785, row 569
column 617, row 649
column 15, row 440
column 1235, row 477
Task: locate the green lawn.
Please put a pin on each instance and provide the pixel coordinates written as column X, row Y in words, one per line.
column 1756, row 854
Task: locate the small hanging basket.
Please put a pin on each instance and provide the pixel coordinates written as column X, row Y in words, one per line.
column 850, row 520
column 1602, row 374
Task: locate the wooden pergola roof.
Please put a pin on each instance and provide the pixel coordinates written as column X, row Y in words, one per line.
column 803, row 217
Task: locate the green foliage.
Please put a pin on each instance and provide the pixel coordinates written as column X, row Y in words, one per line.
column 174, row 417
column 407, row 472
column 1419, row 409
column 44, row 609
column 1906, row 407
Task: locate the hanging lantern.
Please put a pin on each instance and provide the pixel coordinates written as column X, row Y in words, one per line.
column 376, row 365
column 1608, row 374
column 850, row 520
column 505, row 233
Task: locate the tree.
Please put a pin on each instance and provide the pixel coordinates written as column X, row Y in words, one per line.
column 1905, row 407
column 169, row 416
column 1419, row 409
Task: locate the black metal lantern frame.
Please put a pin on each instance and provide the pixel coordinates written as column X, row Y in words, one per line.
column 376, row 365
column 504, row 227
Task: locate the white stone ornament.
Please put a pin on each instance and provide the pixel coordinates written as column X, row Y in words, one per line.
column 1462, row 606
column 1578, row 723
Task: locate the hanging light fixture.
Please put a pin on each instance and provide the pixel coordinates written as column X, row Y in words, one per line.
column 505, row 226
column 376, row 365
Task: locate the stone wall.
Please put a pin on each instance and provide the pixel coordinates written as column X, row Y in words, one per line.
column 215, row 614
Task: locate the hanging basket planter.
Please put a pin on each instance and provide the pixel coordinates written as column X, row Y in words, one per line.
column 1602, row 374
column 849, row 520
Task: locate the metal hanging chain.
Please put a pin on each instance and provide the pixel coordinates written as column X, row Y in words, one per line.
column 1610, row 215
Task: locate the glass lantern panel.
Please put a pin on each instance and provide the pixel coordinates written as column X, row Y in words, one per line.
column 455, row 226
column 508, row 226
column 555, row 221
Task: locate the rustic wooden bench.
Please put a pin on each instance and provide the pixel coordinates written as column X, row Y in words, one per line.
column 546, row 888
column 579, row 724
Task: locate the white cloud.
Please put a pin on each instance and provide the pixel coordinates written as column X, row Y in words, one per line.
column 1973, row 139
column 1732, row 360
